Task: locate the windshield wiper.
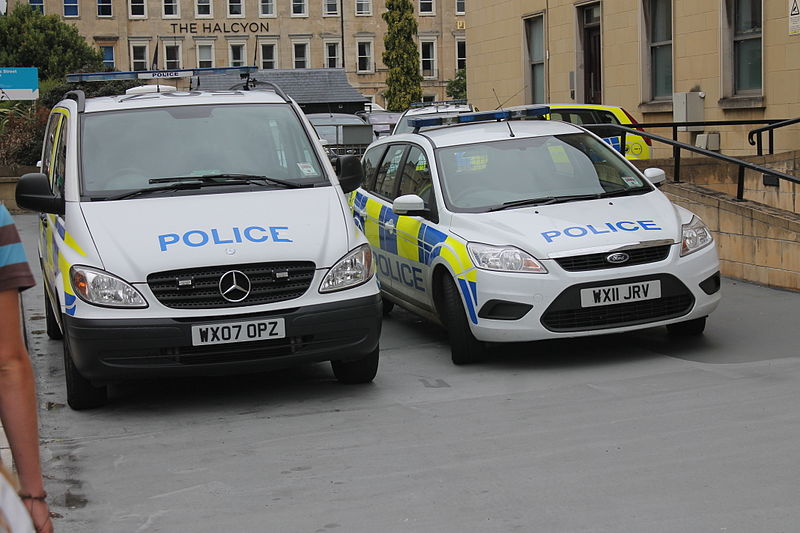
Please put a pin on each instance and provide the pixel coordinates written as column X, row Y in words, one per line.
column 545, row 200
column 229, row 177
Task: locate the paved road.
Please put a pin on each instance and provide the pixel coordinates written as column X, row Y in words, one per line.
column 624, row 433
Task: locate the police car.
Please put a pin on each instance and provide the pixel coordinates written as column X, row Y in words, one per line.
column 510, row 230
column 198, row 233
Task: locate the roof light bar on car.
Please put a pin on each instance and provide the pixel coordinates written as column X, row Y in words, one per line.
column 156, row 74
column 515, row 113
column 439, row 102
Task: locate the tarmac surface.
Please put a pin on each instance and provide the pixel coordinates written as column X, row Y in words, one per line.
column 622, row 433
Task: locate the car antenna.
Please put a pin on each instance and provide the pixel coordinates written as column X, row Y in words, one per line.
column 499, row 106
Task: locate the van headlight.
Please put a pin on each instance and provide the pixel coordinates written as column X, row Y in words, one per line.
column 101, row 288
column 504, row 259
column 696, row 236
column 352, row 270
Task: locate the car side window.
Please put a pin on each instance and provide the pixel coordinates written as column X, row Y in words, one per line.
column 607, row 117
column 370, row 163
column 416, row 178
column 388, row 172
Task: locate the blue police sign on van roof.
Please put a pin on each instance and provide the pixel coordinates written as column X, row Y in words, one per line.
column 19, row 83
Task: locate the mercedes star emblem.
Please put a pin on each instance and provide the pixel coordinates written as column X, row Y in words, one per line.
column 234, row 286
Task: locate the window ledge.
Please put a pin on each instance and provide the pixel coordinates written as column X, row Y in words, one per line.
column 656, row 106
column 741, row 102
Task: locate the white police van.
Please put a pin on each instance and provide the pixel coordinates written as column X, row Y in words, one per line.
column 198, row 233
column 518, row 230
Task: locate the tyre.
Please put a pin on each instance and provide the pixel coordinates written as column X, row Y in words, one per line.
column 464, row 347
column 387, row 306
column 53, row 329
column 359, row 371
column 690, row 328
column 81, row 394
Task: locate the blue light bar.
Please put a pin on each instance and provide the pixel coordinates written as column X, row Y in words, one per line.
column 517, row 113
column 156, row 74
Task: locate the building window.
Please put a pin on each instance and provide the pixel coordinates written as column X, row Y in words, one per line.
column 460, row 7
column 300, row 55
column 428, row 58
column 235, row 8
column 203, row 8
column 330, row 8
column 534, row 33
column 747, row 46
column 269, row 59
column 108, row 57
column 205, row 55
column 70, row 8
column 237, row 54
column 267, row 8
column 299, row 8
column 170, row 9
column 332, row 59
column 104, row 8
column 658, row 21
column 364, row 50
column 137, row 9
column 426, row 7
column 461, row 54
column 172, row 56
column 139, row 56
column 38, row 5
column 363, row 7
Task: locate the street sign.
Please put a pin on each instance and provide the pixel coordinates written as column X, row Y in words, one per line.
column 19, row 83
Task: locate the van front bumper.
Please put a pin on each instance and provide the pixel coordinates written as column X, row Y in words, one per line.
column 106, row 350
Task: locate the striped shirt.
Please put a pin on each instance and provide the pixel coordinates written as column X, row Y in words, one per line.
column 14, row 270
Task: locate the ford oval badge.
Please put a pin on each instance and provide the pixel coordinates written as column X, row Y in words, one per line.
column 617, row 258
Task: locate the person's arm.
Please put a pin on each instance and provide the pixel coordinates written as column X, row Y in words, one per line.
column 18, row 409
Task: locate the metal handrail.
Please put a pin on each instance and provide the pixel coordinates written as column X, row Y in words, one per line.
column 771, row 129
column 676, row 152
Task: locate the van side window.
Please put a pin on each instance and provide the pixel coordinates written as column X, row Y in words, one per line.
column 416, row 177
column 387, row 174
column 60, row 161
column 370, row 163
column 49, row 141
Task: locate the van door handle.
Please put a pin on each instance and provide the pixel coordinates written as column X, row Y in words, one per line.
column 360, row 212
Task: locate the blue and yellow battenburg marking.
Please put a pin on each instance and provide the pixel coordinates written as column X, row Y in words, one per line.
column 418, row 242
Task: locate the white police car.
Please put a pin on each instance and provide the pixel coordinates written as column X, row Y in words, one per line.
column 188, row 233
column 517, row 230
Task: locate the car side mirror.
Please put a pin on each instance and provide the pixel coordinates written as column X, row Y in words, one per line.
column 33, row 192
column 350, row 172
column 656, row 176
column 409, row 205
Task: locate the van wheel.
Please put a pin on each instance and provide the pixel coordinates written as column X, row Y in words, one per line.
column 81, row 394
column 690, row 328
column 464, row 347
column 53, row 329
column 359, row 371
column 387, row 306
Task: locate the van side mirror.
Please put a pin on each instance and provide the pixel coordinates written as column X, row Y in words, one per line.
column 33, row 192
column 656, row 176
column 350, row 172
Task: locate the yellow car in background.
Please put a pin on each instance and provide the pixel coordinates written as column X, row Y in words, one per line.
column 636, row 146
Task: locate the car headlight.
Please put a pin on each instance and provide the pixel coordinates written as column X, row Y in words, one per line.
column 101, row 288
column 503, row 259
column 354, row 269
column 696, row 236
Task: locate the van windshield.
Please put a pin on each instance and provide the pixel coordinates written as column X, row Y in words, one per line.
column 125, row 150
column 531, row 171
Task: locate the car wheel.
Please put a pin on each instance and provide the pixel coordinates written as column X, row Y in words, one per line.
column 464, row 347
column 53, row 329
column 81, row 394
column 387, row 306
column 359, row 371
column 690, row 328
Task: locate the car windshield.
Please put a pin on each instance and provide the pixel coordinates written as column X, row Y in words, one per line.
column 125, row 150
column 531, row 171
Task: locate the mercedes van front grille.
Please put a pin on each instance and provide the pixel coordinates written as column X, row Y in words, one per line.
column 231, row 285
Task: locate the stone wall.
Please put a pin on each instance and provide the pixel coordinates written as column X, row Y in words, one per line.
column 9, row 175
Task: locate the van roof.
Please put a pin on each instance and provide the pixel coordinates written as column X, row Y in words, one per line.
column 180, row 98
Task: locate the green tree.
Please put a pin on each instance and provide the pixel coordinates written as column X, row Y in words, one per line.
column 401, row 55
column 457, row 87
column 30, row 39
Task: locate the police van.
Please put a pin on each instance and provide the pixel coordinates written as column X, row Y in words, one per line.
column 507, row 230
column 197, row 233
